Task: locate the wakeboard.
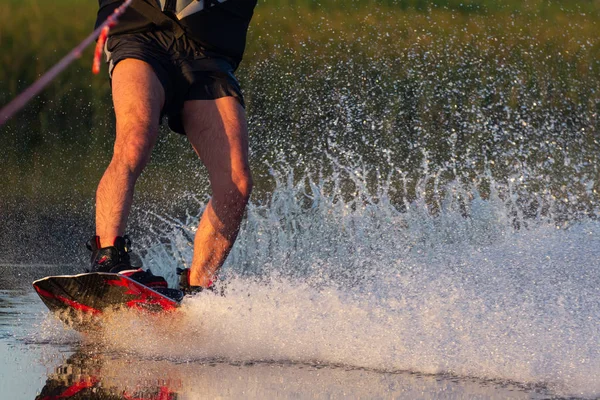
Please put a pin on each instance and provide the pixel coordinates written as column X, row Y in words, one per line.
column 80, row 300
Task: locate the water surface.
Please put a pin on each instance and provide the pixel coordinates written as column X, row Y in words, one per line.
column 185, row 356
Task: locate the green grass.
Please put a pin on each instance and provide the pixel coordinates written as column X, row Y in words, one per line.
column 412, row 63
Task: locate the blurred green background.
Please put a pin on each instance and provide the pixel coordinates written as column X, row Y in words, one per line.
column 467, row 88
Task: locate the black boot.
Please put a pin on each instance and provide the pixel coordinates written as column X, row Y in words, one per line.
column 116, row 259
column 187, row 289
column 184, row 282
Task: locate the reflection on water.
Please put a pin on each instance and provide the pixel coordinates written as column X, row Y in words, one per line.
column 88, row 374
column 475, row 287
column 431, row 208
column 60, row 364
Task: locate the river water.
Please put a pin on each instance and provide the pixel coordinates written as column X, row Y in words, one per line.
column 330, row 297
column 42, row 359
column 425, row 224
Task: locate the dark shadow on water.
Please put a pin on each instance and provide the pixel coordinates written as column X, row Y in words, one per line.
column 34, row 232
column 18, row 277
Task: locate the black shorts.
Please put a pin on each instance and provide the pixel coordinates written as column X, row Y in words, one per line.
column 186, row 70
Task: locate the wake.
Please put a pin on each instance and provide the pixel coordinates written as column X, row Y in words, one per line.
column 468, row 288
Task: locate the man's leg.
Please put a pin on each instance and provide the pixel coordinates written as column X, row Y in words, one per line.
column 217, row 130
column 138, row 98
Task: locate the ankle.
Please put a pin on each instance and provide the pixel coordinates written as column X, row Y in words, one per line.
column 106, row 240
column 199, row 279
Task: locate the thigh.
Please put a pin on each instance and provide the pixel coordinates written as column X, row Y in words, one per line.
column 218, row 132
column 138, row 97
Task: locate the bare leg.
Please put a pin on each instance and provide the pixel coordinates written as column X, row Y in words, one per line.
column 138, row 97
column 217, row 131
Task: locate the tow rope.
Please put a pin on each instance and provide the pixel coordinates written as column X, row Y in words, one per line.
column 101, row 33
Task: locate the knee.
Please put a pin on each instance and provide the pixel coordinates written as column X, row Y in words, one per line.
column 131, row 155
column 130, row 159
column 236, row 190
column 244, row 185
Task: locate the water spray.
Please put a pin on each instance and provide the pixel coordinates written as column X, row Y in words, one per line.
column 101, row 33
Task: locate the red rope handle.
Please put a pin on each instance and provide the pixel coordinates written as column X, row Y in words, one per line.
column 109, row 23
column 99, row 47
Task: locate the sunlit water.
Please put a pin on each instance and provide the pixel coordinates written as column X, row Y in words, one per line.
column 334, row 295
column 317, row 279
column 417, row 232
column 41, row 357
column 356, row 279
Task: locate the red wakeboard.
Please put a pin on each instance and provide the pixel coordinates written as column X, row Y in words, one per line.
column 79, row 300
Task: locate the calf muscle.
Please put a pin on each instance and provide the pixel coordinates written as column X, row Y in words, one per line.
column 217, row 131
column 138, row 98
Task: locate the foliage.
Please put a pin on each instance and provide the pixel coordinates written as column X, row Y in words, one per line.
column 410, row 64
